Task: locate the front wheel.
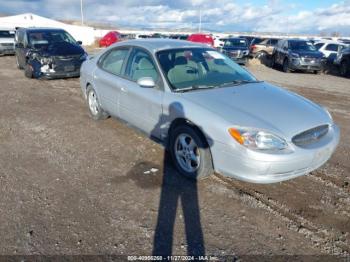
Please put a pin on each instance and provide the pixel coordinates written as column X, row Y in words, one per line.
column 286, row 66
column 190, row 152
column 344, row 68
column 96, row 111
column 28, row 71
column 18, row 64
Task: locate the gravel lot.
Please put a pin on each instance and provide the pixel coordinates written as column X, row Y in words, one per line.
column 70, row 185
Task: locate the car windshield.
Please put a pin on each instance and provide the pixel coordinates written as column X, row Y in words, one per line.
column 6, row 34
column 301, row 46
column 235, row 43
column 49, row 37
column 196, row 68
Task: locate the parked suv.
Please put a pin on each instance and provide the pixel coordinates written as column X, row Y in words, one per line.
column 297, row 54
column 260, row 47
column 7, row 44
column 237, row 49
column 329, row 49
column 343, row 61
column 48, row 53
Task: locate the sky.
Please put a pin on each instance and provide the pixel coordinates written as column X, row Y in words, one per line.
column 286, row 16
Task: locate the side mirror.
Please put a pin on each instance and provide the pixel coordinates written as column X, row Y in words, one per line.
column 146, row 82
column 79, row 42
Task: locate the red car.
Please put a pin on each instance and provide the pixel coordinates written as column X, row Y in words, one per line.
column 201, row 38
column 110, row 38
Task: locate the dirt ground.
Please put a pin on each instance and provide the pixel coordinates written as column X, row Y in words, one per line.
column 70, row 185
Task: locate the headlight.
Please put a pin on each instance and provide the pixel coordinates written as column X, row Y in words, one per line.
column 294, row 55
column 45, row 60
column 84, row 56
column 258, row 140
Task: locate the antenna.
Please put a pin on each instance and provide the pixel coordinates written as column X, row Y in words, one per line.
column 200, row 20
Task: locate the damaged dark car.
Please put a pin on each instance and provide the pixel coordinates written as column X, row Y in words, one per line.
column 48, row 53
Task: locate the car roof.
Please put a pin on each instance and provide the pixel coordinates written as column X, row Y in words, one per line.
column 156, row 44
column 41, row 29
column 297, row 40
column 329, row 42
column 241, row 38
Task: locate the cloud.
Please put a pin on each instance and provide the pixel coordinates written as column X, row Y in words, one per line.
column 219, row 15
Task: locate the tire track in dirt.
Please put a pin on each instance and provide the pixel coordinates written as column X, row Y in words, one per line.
column 328, row 241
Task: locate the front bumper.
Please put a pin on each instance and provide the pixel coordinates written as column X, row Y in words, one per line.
column 56, row 70
column 241, row 61
column 263, row 168
column 57, row 75
column 7, row 50
column 300, row 64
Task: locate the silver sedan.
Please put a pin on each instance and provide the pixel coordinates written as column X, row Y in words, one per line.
column 211, row 114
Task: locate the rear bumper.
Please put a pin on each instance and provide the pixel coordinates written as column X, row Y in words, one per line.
column 257, row 167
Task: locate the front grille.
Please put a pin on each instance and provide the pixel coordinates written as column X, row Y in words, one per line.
column 7, row 44
column 66, row 63
column 310, row 59
column 236, row 54
column 67, row 58
column 310, row 136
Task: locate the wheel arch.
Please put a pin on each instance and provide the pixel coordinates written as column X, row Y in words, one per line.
column 184, row 121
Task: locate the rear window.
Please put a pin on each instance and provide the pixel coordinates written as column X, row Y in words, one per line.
column 332, row 47
column 273, row 42
column 235, row 42
column 257, row 41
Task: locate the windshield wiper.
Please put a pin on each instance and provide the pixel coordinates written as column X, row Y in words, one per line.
column 192, row 88
column 239, row 82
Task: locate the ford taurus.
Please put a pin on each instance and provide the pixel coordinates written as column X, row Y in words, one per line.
column 211, row 114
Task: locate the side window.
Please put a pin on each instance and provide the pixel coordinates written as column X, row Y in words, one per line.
column 318, row 46
column 141, row 65
column 113, row 61
column 332, row 47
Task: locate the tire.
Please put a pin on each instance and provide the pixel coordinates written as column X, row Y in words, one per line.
column 95, row 109
column 17, row 64
column 344, row 68
column 260, row 54
column 273, row 62
column 196, row 147
column 28, row 71
column 286, row 66
column 316, row 72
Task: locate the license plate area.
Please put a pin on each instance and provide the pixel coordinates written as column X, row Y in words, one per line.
column 69, row 68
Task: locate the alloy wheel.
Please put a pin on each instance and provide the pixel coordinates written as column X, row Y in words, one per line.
column 187, row 153
column 93, row 103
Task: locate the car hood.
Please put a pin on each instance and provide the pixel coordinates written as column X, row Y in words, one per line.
column 314, row 54
column 61, row 49
column 261, row 105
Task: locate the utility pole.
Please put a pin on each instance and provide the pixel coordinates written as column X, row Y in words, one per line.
column 81, row 12
column 200, row 20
